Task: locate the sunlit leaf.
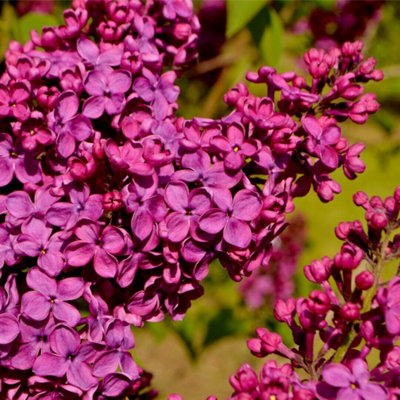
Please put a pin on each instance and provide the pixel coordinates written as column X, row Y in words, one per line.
column 7, row 20
column 271, row 44
column 240, row 13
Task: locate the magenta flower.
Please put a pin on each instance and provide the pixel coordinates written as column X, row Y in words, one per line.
column 234, row 146
column 36, row 241
column 321, row 140
column 82, row 205
column 232, row 216
column 89, row 51
column 389, row 299
column 15, row 160
column 52, row 388
column 48, row 294
column 21, row 208
column 160, row 92
column 119, row 341
column 106, row 88
column 68, row 358
column 187, row 207
column 13, row 101
column 9, row 328
column 70, row 126
column 174, row 8
column 353, row 382
column 147, row 207
column 34, row 132
column 101, row 248
column 34, row 340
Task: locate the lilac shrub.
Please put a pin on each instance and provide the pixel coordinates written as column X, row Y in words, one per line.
column 113, row 207
column 337, row 328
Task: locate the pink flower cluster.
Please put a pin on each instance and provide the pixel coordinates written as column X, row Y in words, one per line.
column 335, row 329
column 112, row 208
column 274, row 281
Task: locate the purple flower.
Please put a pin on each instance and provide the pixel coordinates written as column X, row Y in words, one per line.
column 106, row 88
column 35, row 241
column 160, row 92
column 34, row 340
column 68, row 358
column 89, row 51
column 147, row 207
column 82, row 205
column 232, row 216
column 353, row 382
column 389, row 299
column 13, row 101
column 187, row 207
column 197, row 166
column 234, row 146
column 322, row 136
column 119, row 341
column 70, row 126
column 14, row 159
column 48, row 294
column 101, row 248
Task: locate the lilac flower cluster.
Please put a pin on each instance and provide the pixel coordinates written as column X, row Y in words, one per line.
column 72, row 117
column 113, row 205
column 335, row 329
column 275, row 281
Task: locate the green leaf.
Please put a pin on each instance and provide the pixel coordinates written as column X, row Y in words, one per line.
column 271, row 44
column 7, row 20
column 223, row 324
column 240, row 13
column 37, row 21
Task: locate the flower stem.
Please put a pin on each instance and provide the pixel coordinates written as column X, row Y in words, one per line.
column 380, row 263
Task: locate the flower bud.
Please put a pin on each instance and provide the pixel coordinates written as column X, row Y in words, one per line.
column 378, row 221
column 284, row 310
column 349, row 257
column 390, row 204
column 112, row 201
column 360, row 198
column 349, row 312
column 245, row 380
column 316, row 272
column 364, row 280
column 343, row 230
column 397, row 194
column 367, row 330
column 318, row 302
column 270, row 341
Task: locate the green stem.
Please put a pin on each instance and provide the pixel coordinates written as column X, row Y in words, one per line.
column 342, row 350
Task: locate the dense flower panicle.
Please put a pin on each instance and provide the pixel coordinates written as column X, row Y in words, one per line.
column 109, row 199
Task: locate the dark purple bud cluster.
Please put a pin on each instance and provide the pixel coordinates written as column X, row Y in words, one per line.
column 336, row 328
column 347, row 21
column 110, row 202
